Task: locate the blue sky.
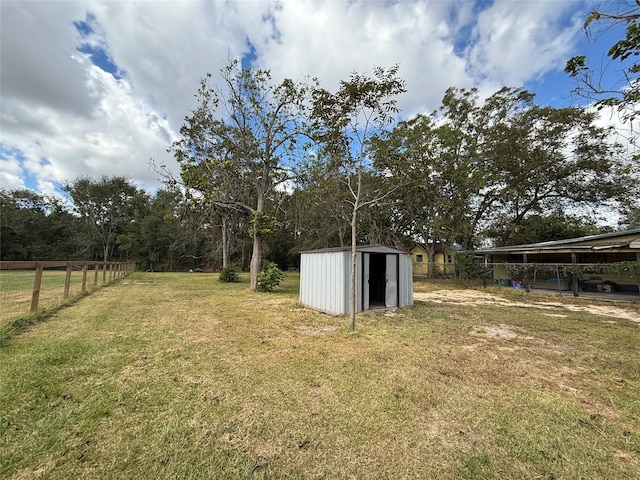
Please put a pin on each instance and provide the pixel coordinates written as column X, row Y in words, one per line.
column 98, row 88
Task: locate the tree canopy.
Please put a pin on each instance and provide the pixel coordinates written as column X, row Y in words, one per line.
column 240, row 143
column 270, row 168
column 622, row 92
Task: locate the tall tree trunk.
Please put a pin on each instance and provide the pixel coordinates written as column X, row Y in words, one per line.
column 352, row 288
column 256, row 260
column 431, row 259
column 225, row 242
column 354, row 253
column 256, row 255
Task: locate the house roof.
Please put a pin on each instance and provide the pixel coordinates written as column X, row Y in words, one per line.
column 359, row 248
column 625, row 240
column 439, row 248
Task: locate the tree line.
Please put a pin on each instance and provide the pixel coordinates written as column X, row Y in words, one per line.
column 269, row 169
column 500, row 170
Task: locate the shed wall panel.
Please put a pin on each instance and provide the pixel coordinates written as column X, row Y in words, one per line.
column 325, row 279
column 322, row 281
column 406, row 281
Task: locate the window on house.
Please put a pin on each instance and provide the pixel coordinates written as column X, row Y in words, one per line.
column 418, row 258
column 449, row 259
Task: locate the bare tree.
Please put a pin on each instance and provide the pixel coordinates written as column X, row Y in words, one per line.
column 345, row 123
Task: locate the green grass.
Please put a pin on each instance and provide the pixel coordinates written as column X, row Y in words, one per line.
column 180, row 376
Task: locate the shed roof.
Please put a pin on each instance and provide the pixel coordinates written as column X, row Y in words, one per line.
column 359, row 248
column 624, row 240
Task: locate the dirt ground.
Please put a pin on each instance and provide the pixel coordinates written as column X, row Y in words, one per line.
column 555, row 309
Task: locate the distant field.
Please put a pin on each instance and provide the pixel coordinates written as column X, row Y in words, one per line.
column 179, row 376
column 16, row 288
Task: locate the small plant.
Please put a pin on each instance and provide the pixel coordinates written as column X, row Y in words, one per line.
column 229, row 274
column 270, row 276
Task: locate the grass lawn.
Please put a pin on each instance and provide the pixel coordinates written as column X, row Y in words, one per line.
column 179, row 376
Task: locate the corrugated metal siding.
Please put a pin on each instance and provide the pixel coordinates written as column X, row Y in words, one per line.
column 406, row 281
column 325, row 277
column 322, row 282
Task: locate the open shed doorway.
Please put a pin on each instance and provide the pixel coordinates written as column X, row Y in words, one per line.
column 380, row 281
column 377, row 280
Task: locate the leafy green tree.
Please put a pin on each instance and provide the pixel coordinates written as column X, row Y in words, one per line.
column 22, row 211
column 344, row 124
column 155, row 236
column 482, row 168
column 631, row 216
column 106, row 207
column 548, row 159
column 35, row 226
column 622, row 92
column 318, row 206
column 555, row 226
column 240, row 143
column 435, row 196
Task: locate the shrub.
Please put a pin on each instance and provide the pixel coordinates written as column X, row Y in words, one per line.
column 270, row 276
column 229, row 274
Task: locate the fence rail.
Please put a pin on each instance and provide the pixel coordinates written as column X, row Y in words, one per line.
column 619, row 277
column 27, row 286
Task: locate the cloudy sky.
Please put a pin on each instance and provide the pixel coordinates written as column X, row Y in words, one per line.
column 100, row 87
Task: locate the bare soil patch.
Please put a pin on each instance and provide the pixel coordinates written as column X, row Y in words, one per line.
column 503, row 331
column 306, row 330
column 480, row 298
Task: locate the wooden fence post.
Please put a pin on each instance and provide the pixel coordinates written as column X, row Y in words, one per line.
column 67, row 281
column 36, row 287
column 85, row 267
column 104, row 272
column 96, row 270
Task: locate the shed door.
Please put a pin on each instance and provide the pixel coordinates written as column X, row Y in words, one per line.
column 365, row 281
column 391, row 290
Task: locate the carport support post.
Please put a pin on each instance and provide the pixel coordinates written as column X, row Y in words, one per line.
column 574, row 275
column 526, row 273
column 484, row 272
column 638, row 273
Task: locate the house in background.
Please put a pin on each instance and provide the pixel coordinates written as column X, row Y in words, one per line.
column 383, row 279
column 583, row 252
column 443, row 261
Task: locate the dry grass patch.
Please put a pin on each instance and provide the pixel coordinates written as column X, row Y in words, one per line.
column 179, row 376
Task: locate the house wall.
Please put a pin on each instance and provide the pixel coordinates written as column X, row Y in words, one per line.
column 422, row 267
column 420, row 260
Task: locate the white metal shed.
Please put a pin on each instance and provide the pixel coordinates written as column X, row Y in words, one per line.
column 384, row 279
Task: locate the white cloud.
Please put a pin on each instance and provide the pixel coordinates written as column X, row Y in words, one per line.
column 517, row 41
column 11, row 173
column 57, row 105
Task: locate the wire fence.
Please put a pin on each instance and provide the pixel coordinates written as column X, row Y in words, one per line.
column 26, row 287
column 573, row 278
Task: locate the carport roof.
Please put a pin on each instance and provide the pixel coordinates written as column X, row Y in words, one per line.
column 628, row 240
